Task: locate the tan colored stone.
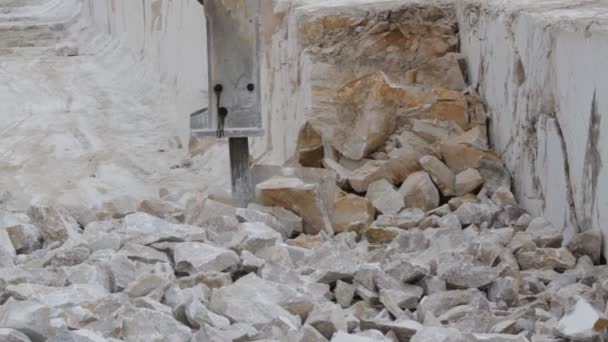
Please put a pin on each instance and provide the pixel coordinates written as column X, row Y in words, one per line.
column 476, row 137
column 446, row 72
column 302, row 198
column 459, row 157
column 342, row 173
column 384, row 197
column 310, row 147
column 434, row 130
column 361, row 116
column 401, row 164
column 419, row 191
column 450, row 105
column 381, row 235
column 456, row 202
column 468, row 181
column 441, row 174
column 353, row 214
column 371, row 171
column 306, row 241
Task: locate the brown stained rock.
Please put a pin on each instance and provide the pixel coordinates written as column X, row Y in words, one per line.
column 441, row 174
column 371, row 171
column 400, row 165
column 352, row 214
column 475, row 137
column 361, row 116
column 459, row 157
column 587, row 243
column 381, row 235
column 419, row 191
column 384, row 197
column 445, row 72
column 310, row 147
column 342, row 173
column 450, row 105
column 435, row 131
column 301, row 198
column 306, row 241
column 467, row 181
column 546, row 258
column 55, row 224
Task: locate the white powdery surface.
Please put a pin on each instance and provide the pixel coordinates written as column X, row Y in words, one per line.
column 89, row 128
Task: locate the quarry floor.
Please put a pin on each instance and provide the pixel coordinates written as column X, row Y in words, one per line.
column 84, row 129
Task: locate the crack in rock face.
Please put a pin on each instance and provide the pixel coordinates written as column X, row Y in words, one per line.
column 399, row 224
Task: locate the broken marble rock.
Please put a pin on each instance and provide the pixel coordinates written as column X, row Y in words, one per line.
column 385, row 197
column 440, row 173
column 256, row 301
column 439, row 303
column 55, row 224
column 200, row 209
column 419, row 191
column 476, row 213
column 302, row 198
column 580, row 323
column 405, row 296
column 162, row 209
column 31, row 317
column 254, row 237
column 352, row 214
column 145, row 229
column 434, row 131
column 403, row 329
column 364, row 336
column 284, row 216
column 307, row 334
column 12, row 335
column 587, row 243
column 333, row 261
column 361, row 116
column 310, row 150
column 250, row 262
column 381, row 235
column 461, row 274
column 195, row 257
column 446, row 71
column 25, row 238
column 328, row 318
column 438, row 334
column 546, row 258
column 467, row 181
column 476, row 137
column 344, row 293
column 142, row 324
column 252, row 215
column 371, row 171
column 236, row 332
column 499, row 338
column 505, row 289
column 495, row 175
column 198, row 315
column 100, row 235
column 406, row 219
column 545, row 234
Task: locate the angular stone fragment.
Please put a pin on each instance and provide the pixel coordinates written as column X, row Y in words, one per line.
column 344, row 293
column 25, row 238
column 362, row 177
column 310, row 147
column 419, row 191
column 438, row 334
column 55, row 224
column 250, row 262
column 343, row 174
column 579, row 324
column 546, row 258
column 194, row 257
column 352, row 214
column 459, row 157
column 343, row 336
column 476, row 213
column 504, row 289
column 544, row 234
column 381, row 235
column 587, row 243
column 439, row 303
column 162, row 209
column 253, row 300
column 441, row 174
column 11, row 335
column 494, row 174
column 445, row 72
column 361, row 117
column 403, row 329
column 476, row 137
column 252, row 215
column 434, row 131
column 254, row 237
column 301, row 198
column 407, row 219
column 308, row 334
column 285, row 216
column 141, row 324
column 145, row 229
column 328, row 319
column 147, row 285
column 465, row 275
column 467, row 181
column 198, row 315
column 384, row 197
column 200, row 209
column 499, row 338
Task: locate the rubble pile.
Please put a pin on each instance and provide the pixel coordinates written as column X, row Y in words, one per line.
column 396, row 224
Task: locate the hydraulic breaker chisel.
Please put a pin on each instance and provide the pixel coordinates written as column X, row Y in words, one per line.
column 233, row 34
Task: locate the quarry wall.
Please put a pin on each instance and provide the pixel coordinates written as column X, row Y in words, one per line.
column 539, row 65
